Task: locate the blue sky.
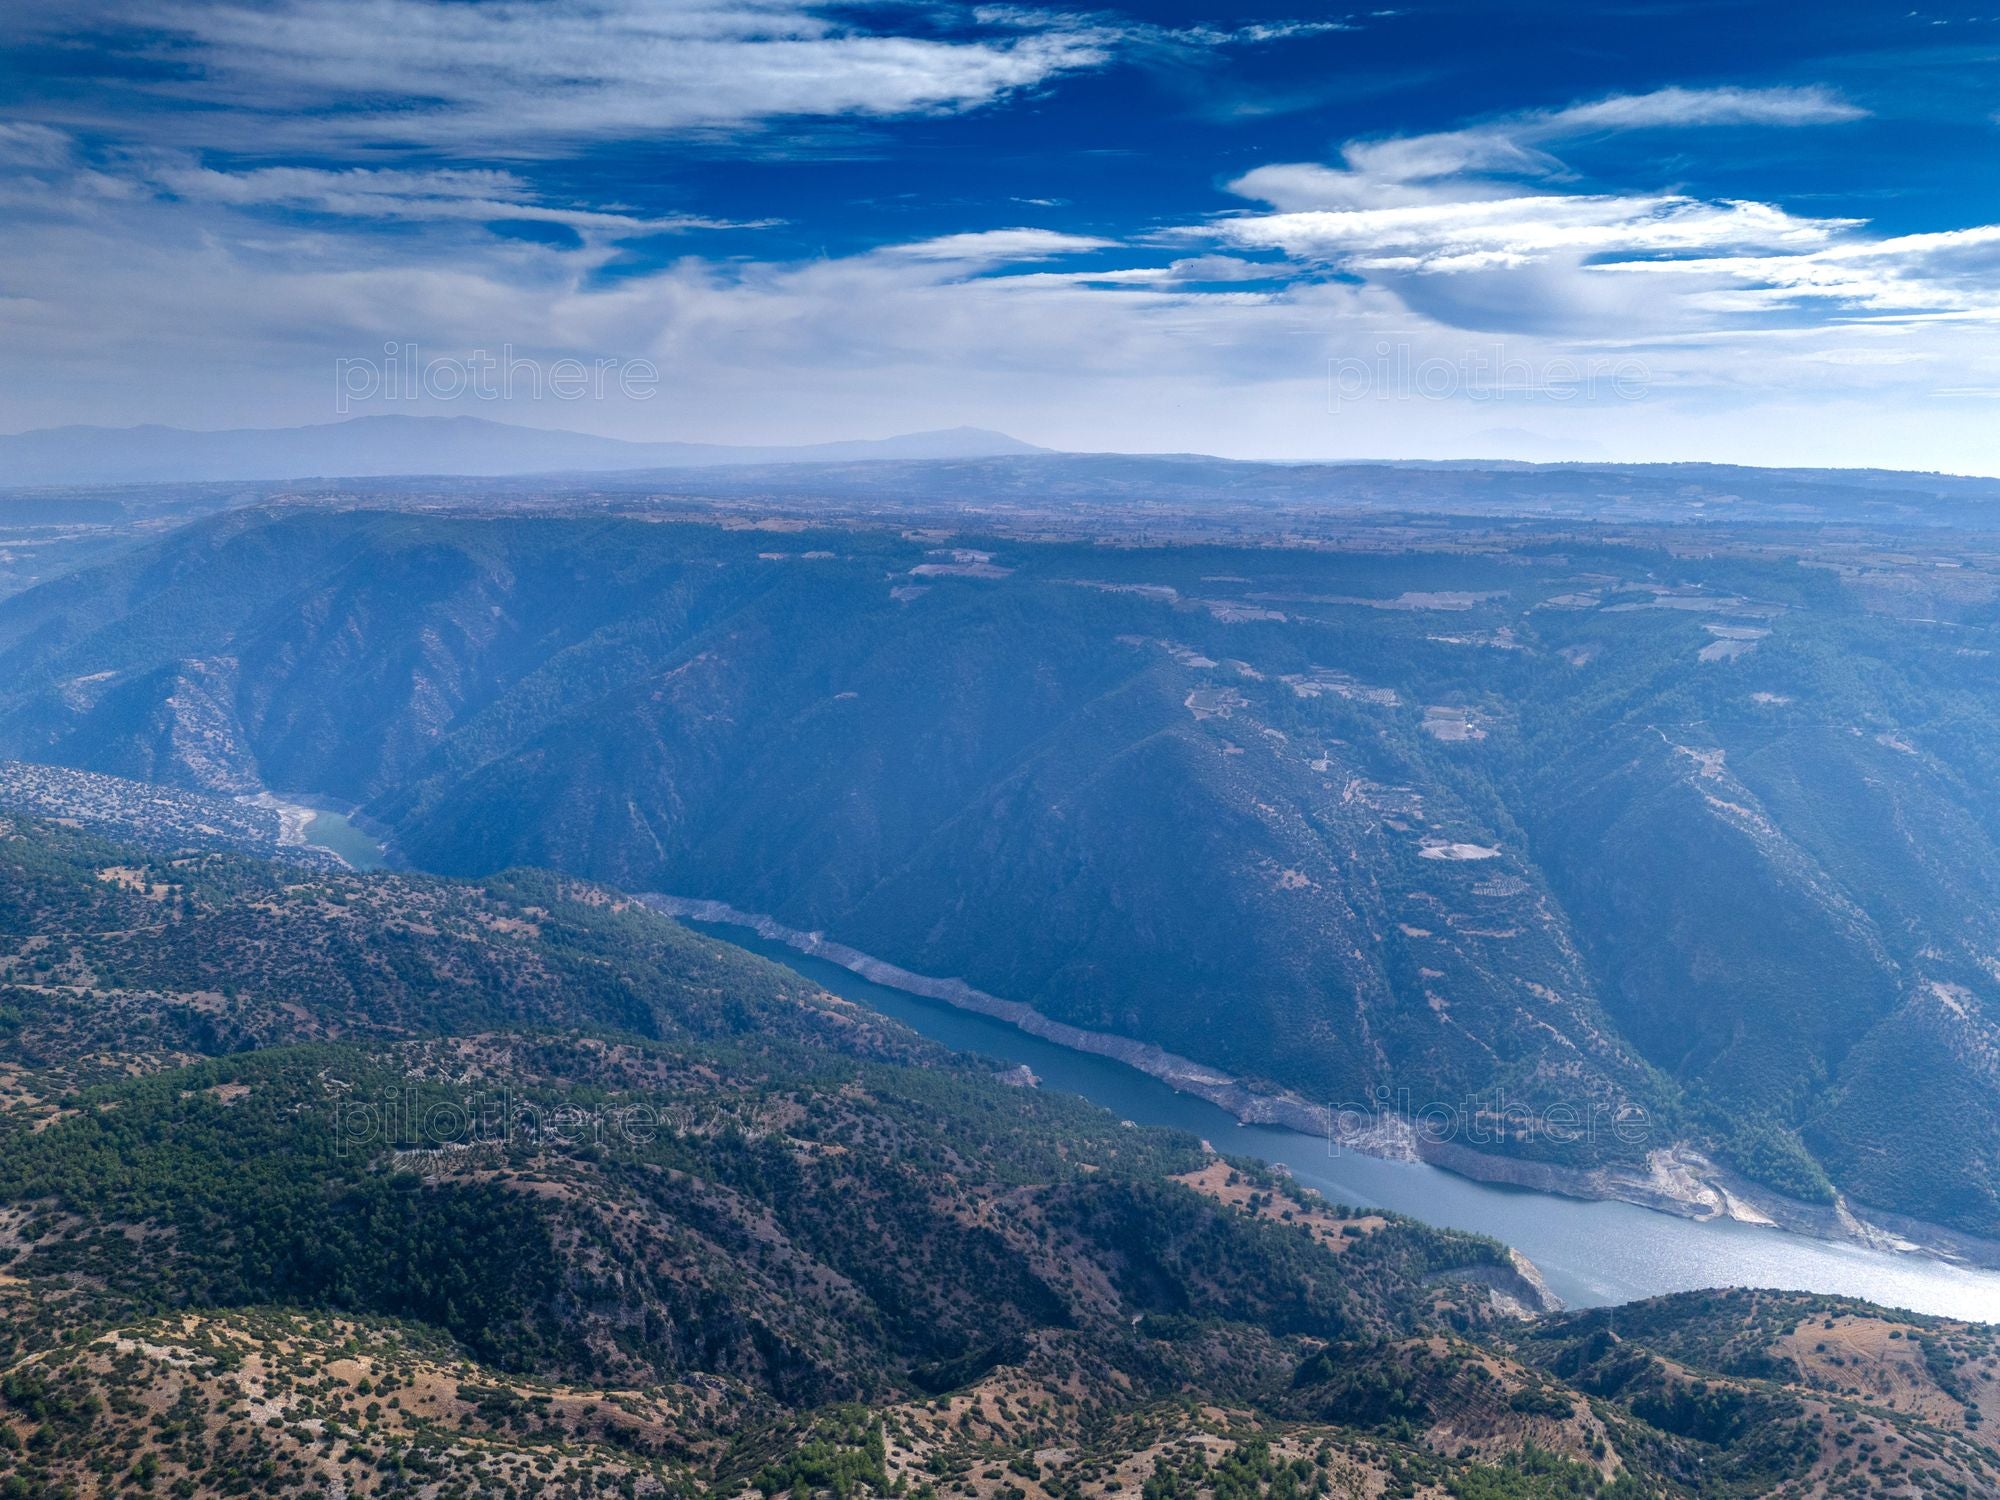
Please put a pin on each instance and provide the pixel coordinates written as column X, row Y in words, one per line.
column 1759, row 233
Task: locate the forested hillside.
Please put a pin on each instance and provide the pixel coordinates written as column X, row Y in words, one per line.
column 518, row 1189
column 1698, row 825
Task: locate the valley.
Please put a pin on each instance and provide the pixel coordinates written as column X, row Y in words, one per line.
column 793, row 750
column 1476, row 817
column 378, row 1185
column 1420, row 866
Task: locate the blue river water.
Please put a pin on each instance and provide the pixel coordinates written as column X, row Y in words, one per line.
column 1589, row 1253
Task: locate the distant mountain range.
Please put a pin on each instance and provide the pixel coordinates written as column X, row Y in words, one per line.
column 923, row 477
column 364, row 446
column 1119, row 490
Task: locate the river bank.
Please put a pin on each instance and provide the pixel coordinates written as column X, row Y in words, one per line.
column 322, row 823
column 1677, row 1179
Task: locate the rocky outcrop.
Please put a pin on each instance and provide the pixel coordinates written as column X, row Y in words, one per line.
column 1516, row 1289
column 1680, row 1180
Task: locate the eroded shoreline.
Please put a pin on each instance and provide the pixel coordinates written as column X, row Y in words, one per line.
column 1678, row 1179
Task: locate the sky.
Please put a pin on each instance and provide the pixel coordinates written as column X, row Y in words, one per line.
column 1636, row 230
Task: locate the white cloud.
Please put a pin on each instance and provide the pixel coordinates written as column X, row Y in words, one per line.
column 1954, row 273
column 1676, row 108
column 1438, row 245
column 1481, row 234
column 997, row 246
column 481, row 195
column 25, row 144
column 100, row 311
column 1481, row 226
column 534, row 74
column 1452, row 164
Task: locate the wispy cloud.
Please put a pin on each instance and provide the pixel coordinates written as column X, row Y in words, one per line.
column 47, row 171
column 1483, row 234
column 24, row 144
column 1679, row 108
column 484, row 196
column 247, row 191
column 1484, row 206
column 1951, row 273
column 997, row 246
column 533, row 74
column 1457, row 164
column 1216, row 352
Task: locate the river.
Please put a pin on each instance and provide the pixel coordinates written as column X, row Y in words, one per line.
column 1589, row 1253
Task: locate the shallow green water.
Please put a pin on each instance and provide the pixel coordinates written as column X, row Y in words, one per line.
column 337, row 832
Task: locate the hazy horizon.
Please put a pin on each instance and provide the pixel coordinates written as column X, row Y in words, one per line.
column 954, row 443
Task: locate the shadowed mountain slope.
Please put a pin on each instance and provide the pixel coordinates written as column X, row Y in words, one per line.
column 1559, row 821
